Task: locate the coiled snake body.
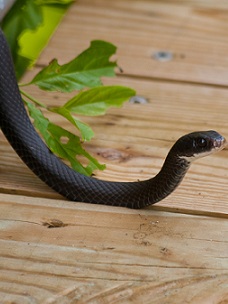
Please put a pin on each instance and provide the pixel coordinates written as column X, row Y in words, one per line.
column 19, row 131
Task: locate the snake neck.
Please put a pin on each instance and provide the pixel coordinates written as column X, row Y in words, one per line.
column 169, row 177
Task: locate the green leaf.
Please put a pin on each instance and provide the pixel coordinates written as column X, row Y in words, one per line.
column 48, row 2
column 24, row 14
column 40, row 122
column 71, row 149
column 86, row 132
column 63, row 143
column 97, row 100
column 83, row 71
column 21, row 64
column 28, row 27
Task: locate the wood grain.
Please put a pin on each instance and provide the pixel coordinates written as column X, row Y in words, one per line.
column 196, row 35
column 56, row 251
column 134, row 256
column 137, row 139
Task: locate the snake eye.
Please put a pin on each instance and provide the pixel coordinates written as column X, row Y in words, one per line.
column 202, row 142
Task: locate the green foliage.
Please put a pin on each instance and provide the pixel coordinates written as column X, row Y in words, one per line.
column 55, row 2
column 97, row 100
column 83, row 71
column 63, row 143
column 25, row 15
column 84, row 74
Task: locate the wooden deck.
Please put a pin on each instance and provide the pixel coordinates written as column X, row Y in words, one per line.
column 173, row 252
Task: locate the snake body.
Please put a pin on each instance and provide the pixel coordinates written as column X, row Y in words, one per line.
column 22, row 136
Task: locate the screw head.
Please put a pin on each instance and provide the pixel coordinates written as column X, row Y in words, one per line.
column 163, row 56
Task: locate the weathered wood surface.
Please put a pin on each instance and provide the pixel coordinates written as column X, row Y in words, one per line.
column 102, row 254
column 109, row 255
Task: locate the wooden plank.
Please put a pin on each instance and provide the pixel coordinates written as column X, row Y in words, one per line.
column 136, row 254
column 137, row 139
column 195, row 34
column 99, row 254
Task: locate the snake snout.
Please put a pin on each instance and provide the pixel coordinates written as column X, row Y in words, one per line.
column 220, row 143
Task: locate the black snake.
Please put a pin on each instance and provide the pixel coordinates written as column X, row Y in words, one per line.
column 19, row 131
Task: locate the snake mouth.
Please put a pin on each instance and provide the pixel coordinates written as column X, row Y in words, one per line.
column 219, row 144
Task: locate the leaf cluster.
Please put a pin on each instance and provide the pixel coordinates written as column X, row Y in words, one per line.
column 82, row 74
column 23, row 16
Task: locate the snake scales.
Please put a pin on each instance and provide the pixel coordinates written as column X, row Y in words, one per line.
column 22, row 136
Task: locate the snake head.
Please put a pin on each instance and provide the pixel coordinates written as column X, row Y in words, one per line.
column 199, row 144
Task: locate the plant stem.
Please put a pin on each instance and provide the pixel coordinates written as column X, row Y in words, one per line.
column 23, row 84
column 33, row 99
